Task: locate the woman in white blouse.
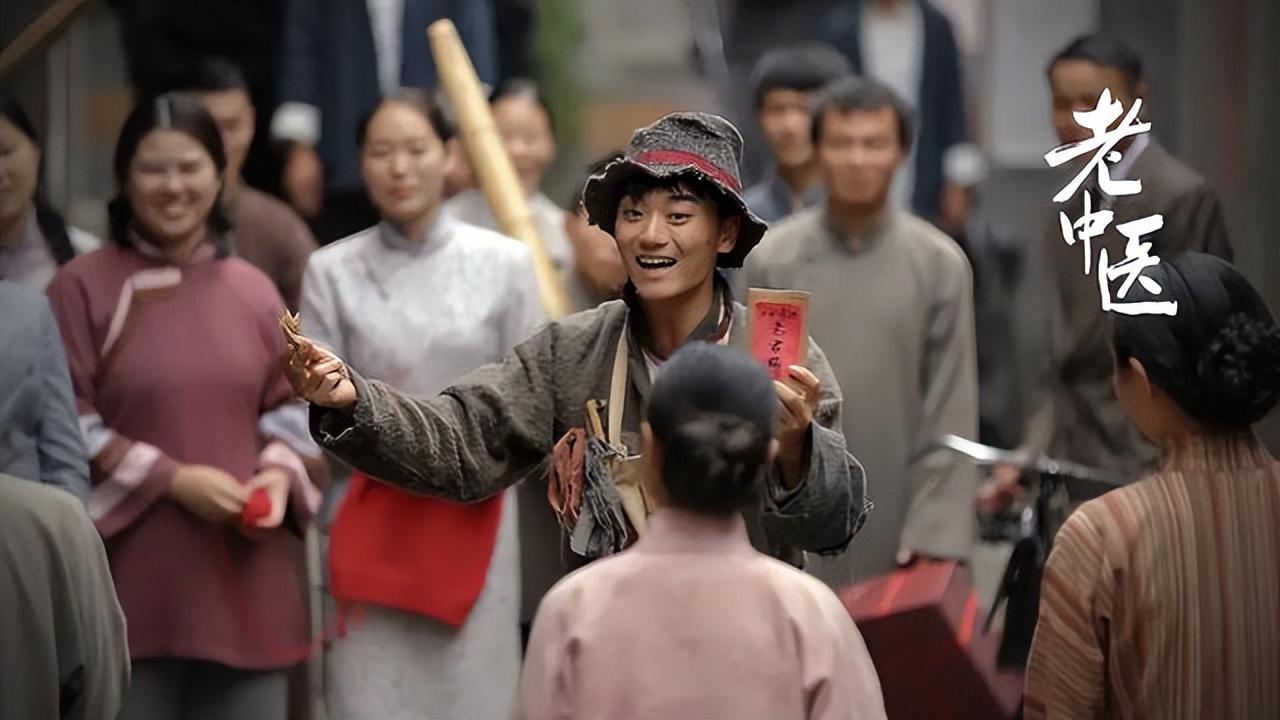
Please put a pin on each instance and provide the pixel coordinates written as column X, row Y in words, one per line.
column 426, row 591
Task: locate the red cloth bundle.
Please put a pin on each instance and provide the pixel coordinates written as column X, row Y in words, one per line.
column 921, row 626
column 411, row 552
column 564, row 479
column 258, row 507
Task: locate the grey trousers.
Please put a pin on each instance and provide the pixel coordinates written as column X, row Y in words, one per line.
column 167, row 689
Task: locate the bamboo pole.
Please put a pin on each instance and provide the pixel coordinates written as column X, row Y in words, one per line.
column 40, row 31
column 489, row 158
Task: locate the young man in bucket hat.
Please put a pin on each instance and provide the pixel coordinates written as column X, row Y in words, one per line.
column 673, row 203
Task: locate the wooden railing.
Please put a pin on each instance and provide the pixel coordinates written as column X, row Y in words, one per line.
column 41, row 30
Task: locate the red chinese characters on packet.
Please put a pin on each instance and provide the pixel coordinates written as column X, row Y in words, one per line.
column 779, row 334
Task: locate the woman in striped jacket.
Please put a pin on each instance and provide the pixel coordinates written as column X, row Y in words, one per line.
column 1160, row 599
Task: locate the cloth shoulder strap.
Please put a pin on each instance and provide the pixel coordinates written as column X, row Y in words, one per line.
column 618, row 389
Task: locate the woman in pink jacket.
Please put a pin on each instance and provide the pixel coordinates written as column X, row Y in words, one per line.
column 692, row 621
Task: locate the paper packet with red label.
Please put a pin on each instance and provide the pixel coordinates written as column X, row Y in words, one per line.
column 779, row 328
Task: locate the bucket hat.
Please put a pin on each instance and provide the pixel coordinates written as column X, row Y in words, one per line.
column 701, row 145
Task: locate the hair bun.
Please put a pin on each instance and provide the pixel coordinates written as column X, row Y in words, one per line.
column 721, row 459
column 723, row 439
column 739, row 440
column 1240, row 368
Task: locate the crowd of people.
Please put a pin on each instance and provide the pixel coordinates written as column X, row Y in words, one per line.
column 618, row 512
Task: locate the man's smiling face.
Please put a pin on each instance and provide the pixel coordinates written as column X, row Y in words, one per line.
column 669, row 238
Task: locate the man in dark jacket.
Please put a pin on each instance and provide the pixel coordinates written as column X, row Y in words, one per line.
column 1078, row 417
column 338, row 58
column 909, row 46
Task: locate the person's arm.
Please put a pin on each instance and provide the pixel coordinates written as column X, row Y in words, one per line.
column 286, row 437
column 1053, row 340
column 953, row 120
column 127, row 476
column 954, row 126
column 289, row 450
column 546, row 683
column 298, row 116
column 1053, row 335
column 296, row 120
column 828, row 505
column 841, row 680
column 318, row 314
column 1198, row 217
column 63, row 461
column 841, row 29
column 485, row 433
column 942, row 485
column 962, row 163
column 1067, row 668
column 95, row 673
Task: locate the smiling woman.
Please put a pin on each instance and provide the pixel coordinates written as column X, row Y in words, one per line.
column 169, row 164
column 404, row 149
column 418, row 300
column 524, row 122
column 173, row 351
column 525, row 125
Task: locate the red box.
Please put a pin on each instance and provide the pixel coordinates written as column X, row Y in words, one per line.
column 923, row 629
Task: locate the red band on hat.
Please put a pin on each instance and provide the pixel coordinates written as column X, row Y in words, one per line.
column 680, row 157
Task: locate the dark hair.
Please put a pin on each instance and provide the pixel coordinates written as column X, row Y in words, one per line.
column 596, row 167
column 1219, row 356
column 212, row 74
column 417, row 99
column 170, row 111
column 523, row 89
column 712, row 410
column 690, row 182
column 1105, row 51
column 802, row 68
column 50, row 222
column 859, row 93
